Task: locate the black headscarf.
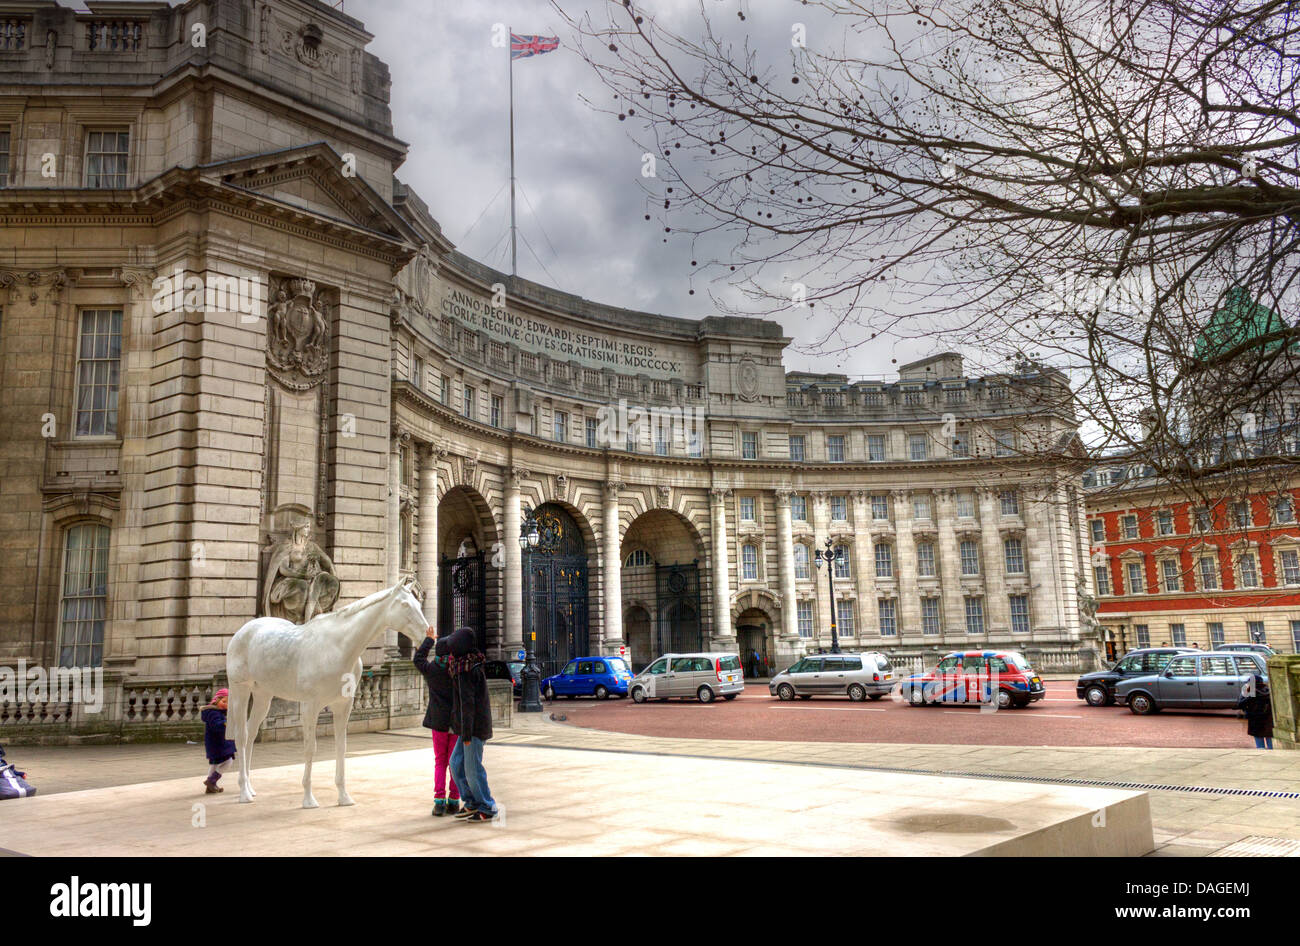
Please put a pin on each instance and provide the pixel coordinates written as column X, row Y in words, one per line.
column 462, row 643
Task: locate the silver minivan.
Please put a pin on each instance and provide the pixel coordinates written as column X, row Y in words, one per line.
column 856, row 676
column 1192, row 681
column 703, row 677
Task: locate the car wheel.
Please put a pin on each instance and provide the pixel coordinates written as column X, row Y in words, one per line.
column 916, row 697
column 730, row 696
column 602, row 693
column 1005, row 700
column 638, row 695
column 1097, row 695
column 704, row 694
column 1142, row 705
column 550, row 692
column 785, row 692
column 857, row 693
column 805, row 696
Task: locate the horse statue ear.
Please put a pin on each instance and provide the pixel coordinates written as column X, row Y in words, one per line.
column 410, row 583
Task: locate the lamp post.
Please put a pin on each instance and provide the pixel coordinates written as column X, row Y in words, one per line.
column 529, row 536
column 832, row 556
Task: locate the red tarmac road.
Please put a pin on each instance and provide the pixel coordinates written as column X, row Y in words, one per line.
column 1060, row 719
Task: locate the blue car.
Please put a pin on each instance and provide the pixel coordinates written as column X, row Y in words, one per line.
column 589, row 676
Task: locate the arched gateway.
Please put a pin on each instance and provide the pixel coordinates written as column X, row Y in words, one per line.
column 556, row 575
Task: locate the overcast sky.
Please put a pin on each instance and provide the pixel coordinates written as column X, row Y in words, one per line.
column 581, row 208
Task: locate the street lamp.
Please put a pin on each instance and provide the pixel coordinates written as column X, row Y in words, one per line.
column 529, row 537
column 832, row 556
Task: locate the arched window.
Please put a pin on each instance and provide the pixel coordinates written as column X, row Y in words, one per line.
column 749, row 562
column 637, row 559
column 83, row 602
column 801, row 561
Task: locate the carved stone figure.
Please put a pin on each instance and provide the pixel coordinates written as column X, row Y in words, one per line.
column 300, row 578
column 297, row 335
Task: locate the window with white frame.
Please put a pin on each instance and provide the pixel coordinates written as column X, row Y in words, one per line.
column 561, row 427
column 884, row 560
column 1170, row 575
column 880, row 508
column 799, row 508
column 1290, row 560
column 747, row 509
column 1284, row 510
column 921, row 507
column 99, row 359
column 1165, row 522
column 842, row 562
column 498, row 409
column 1143, row 635
column 1209, row 569
column 1204, row 521
column 1255, row 632
column 844, row 618
column 467, row 401
column 1134, row 579
column 417, row 371
column 638, row 559
column 107, row 150
column 1249, row 570
column 804, row 616
column 444, row 390
column 835, row 449
column 1004, row 443
column 1241, row 514
column 1130, row 525
column 887, row 610
column 839, row 509
column 876, row 447
column 974, row 615
column 918, row 447
column 961, row 446
column 1179, row 634
column 749, row 562
column 1295, row 637
column 970, row 557
column 802, row 569
column 929, row 615
column 4, row 156
column 749, row 445
column 925, row 559
column 592, row 431
column 1216, row 634
column 796, row 448
column 1101, row 573
column 965, row 505
column 1020, row 614
column 1010, row 500
column 83, row 604
column 1098, row 527
column 1014, row 554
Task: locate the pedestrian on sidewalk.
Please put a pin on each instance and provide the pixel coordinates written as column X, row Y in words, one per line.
column 471, row 721
column 220, row 750
column 446, row 798
column 1257, row 703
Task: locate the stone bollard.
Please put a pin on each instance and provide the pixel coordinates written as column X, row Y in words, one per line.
column 1284, row 683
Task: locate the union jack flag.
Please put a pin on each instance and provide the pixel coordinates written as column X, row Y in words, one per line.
column 521, row 47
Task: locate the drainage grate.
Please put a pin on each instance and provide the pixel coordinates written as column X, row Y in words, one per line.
column 1256, row 845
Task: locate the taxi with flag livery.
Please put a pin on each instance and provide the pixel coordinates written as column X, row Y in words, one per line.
column 1001, row 677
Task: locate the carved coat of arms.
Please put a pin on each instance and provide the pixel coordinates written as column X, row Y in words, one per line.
column 747, row 379
column 298, row 334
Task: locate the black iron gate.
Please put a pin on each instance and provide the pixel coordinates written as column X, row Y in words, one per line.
column 556, row 574
column 462, row 594
column 677, row 600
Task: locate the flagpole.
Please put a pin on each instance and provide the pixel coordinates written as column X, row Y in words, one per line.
column 514, row 249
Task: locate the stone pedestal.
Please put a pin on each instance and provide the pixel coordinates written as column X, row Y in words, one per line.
column 1284, row 682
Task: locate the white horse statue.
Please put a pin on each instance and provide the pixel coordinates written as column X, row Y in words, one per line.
column 317, row 664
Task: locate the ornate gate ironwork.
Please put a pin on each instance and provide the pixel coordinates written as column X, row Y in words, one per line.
column 557, row 574
column 462, row 596
column 678, row 628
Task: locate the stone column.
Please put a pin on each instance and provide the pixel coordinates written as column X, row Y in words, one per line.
column 953, row 618
column 612, row 570
column 428, row 550
column 1046, row 562
column 723, row 634
column 400, row 439
column 514, row 584
column 864, row 565
column 909, row 604
column 997, row 610
column 785, row 559
column 821, row 529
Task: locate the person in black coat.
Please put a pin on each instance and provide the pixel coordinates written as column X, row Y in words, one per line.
column 1257, row 703
column 219, row 749
column 446, row 798
column 471, row 721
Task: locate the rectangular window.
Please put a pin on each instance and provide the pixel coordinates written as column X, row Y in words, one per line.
column 802, row 570
column 661, row 446
column 1143, row 635
column 1134, row 575
column 1209, row 573
column 804, row 611
column 1179, row 634
column 1216, row 635
column 1130, row 527
column 444, row 393
column 1165, row 522
column 961, row 446
column 1255, row 630
column 1010, row 500
column 561, row 424
column 467, row 401
column 1241, row 514
column 1004, row 443
column 918, row 447
column 4, row 157
column 593, row 432
column 83, row 603
column 99, row 359
column 749, row 445
column 1291, row 567
column 1249, row 573
column 747, row 508
column 929, row 615
column 1098, row 527
column 880, row 508
column 1102, row 575
column 876, row 447
column 498, row 409
column 920, row 507
column 106, row 156
column 694, row 446
column 796, row 448
column 925, row 560
column 1015, row 556
column 835, row 449
column 966, row 505
column 888, row 611
column 844, row 618
column 974, row 615
column 1295, row 637
column 1284, row 511
column 843, row 567
column 1020, row 614
column 970, row 557
column 749, row 562
column 884, row 561
column 1172, row 580
column 417, row 372
column 1204, row 523
column 799, row 508
column 839, row 509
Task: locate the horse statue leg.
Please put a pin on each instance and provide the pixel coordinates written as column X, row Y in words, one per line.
column 341, row 710
column 237, row 726
column 309, row 713
column 261, row 706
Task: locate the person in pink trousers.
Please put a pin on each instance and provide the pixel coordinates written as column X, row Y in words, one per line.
column 446, row 795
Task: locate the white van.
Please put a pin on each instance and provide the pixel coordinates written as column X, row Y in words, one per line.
column 703, row 677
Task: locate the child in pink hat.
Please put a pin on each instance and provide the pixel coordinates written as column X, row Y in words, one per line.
column 221, row 751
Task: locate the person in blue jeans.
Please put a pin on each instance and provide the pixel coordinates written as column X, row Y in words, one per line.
column 471, row 721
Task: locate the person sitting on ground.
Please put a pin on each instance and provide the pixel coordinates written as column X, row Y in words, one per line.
column 220, row 750
column 13, row 784
column 471, row 721
column 446, row 798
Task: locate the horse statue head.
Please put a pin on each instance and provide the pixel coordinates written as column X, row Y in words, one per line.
column 405, row 613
